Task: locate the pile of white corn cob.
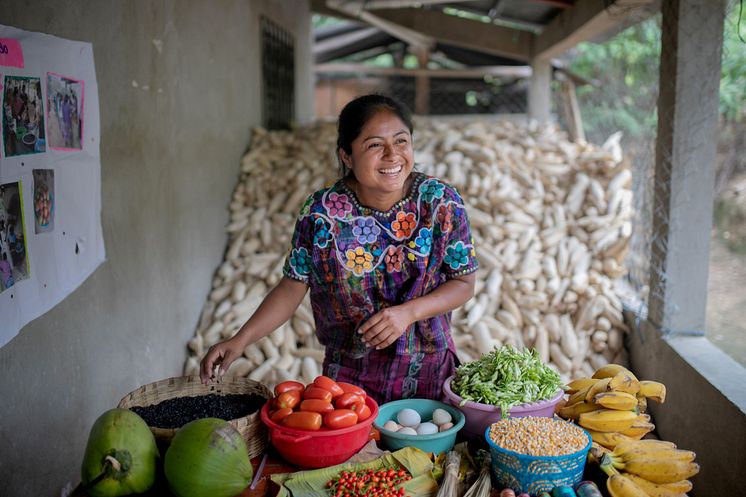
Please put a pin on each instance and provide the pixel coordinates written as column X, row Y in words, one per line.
column 550, row 219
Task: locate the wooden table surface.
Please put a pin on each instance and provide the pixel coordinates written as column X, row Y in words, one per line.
column 276, row 464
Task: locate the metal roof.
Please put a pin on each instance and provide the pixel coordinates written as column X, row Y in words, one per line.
column 470, row 33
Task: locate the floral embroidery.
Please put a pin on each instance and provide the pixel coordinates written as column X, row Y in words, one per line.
column 394, row 258
column 366, row 230
column 338, row 205
column 404, row 224
column 321, row 234
column 443, row 217
column 300, row 261
column 306, row 206
column 431, row 190
column 359, row 260
column 457, row 255
column 424, row 241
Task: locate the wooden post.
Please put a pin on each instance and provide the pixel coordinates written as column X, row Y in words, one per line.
column 422, row 82
column 540, row 92
column 571, row 111
column 692, row 38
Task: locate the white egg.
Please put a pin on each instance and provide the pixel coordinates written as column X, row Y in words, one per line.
column 408, row 417
column 407, row 431
column 441, row 416
column 391, row 425
column 427, row 429
column 445, row 426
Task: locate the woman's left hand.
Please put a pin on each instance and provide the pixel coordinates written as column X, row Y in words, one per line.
column 385, row 327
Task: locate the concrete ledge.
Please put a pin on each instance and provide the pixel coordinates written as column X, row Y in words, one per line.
column 718, row 368
column 705, row 408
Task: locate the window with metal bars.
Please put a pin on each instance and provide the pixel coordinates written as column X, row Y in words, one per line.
column 278, row 76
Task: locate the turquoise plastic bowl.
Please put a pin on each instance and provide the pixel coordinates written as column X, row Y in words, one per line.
column 437, row 442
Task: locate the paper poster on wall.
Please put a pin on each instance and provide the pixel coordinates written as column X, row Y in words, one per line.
column 23, row 116
column 13, row 255
column 64, row 111
column 50, row 174
column 43, row 200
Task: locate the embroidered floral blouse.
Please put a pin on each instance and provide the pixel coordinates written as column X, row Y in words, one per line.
column 358, row 260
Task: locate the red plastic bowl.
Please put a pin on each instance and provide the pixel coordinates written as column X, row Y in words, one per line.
column 480, row 416
column 322, row 448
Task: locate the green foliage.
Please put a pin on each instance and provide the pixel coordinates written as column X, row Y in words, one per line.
column 626, row 71
column 733, row 74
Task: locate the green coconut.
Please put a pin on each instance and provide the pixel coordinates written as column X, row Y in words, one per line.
column 207, row 458
column 121, row 455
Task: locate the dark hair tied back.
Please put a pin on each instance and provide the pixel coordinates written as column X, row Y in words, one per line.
column 356, row 114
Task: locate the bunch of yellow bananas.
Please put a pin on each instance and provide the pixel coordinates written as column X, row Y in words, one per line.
column 648, row 468
column 611, row 405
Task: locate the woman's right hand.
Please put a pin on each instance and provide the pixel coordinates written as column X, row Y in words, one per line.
column 220, row 355
column 276, row 308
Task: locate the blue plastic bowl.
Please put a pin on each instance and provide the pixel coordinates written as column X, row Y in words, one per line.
column 437, row 442
column 535, row 474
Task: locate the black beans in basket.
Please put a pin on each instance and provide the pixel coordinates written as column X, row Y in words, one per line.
column 176, row 412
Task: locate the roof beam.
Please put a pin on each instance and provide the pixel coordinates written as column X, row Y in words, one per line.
column 398, row 4
column 336, row 42
column 472, row 72
column 320, row 7
column 584, row 21
column 411, row 36
column 453, row 30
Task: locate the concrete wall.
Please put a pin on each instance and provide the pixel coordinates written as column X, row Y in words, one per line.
column 169, row 158
column 705, row 407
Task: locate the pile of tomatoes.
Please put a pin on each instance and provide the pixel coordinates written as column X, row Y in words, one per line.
column 324, row 402
column 369, row 483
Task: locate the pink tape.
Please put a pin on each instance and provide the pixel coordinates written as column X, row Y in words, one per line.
column 11, row 54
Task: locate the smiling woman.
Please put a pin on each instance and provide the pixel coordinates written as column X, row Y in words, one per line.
column 379, row 160
column 387, row 255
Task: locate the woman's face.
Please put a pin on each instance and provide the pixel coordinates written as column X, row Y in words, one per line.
column 381, row 157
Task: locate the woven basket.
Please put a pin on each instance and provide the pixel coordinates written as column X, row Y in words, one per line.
column 251, row 427
column 535, row 474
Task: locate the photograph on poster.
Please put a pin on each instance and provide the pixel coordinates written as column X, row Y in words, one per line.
column 64, row 112
column 23, row 116
column 13, row 254
column 43, row 200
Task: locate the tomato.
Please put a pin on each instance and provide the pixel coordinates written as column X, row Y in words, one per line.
column 363, row 413
column 313, row 392
column 280, row 414
column 328, row 384
column 340, row 418
column 287, row 386
column 350, row 388
column 303, row 420
column 316, row 405
column 289, row 399
column 349, row 401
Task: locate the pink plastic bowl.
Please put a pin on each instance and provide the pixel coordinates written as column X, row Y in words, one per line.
column 480, row 416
